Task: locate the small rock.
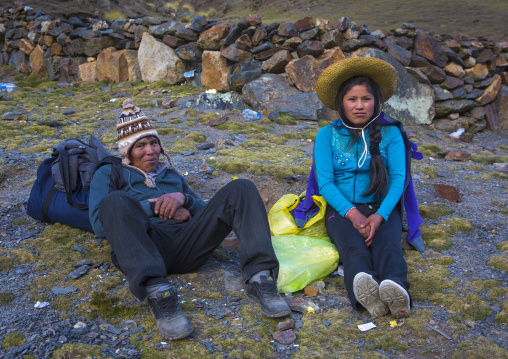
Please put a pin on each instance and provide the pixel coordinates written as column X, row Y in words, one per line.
column 79, row 325
column 205, row 146
column 285, row 337
column 168, row 102
column 52, row 123
column 458, row 155
column 79, row 249
column 451, row 193
column 218, row 121
column 69, row 112
column 83, row 262
column 282, row 326
column 188, row 153
column 63, row 290
column 311, row 291
column 81, row 271
column 20, row 271
column 300, row 305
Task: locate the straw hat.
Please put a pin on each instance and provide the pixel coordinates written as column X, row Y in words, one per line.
column 381, row 72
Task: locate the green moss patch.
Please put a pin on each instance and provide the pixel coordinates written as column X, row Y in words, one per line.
column 502, row 316
column 207, row 117
column 502, row 246
column 168, row 130
column 179, row 145
column 6, row 297
column 196, row 136
column 13, row 339
column 428, row 276
column 239, row 128
column 459, row 224
column 278, row 161
column 481, row 348
column 499, row 262
column 77, row 351
column 429, row 150
column 286, row 119
column 489, row 159
column 471, row 306
column 434, row 210
column 437, row 236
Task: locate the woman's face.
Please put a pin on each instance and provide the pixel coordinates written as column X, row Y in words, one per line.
column 358, row 105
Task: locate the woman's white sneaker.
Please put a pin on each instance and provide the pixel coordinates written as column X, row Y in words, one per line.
column 396, row 297
column 366, row 292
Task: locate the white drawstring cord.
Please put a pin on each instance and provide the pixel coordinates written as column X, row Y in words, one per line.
column 363, row 157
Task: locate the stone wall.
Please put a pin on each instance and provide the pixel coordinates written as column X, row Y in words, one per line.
column 449, row 81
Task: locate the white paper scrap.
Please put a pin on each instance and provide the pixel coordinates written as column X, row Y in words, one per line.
column 367, row 326
column 39, row 305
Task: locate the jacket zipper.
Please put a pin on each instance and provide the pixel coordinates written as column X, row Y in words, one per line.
column 356, row 172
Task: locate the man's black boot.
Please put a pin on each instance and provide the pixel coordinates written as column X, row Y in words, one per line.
column 266, row 294
column 171, row 321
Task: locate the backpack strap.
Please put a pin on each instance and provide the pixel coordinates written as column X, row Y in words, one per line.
column 66, row 178
column 47, row 202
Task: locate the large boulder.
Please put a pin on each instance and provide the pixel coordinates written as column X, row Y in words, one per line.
column 117, row 66
column 37, row 61
column 413, row 101
column 304, row 72
column 272, row 93
column 445, row 108
column 211, row 38
column 159, row 62
column 502, row 107
column 87, row 71
column 430, row 49
column 242, row 73
column 94, row 46
column 215, row 71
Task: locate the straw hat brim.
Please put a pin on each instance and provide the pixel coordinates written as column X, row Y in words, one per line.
column 381, row 72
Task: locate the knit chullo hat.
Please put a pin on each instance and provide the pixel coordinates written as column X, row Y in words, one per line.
column 381, row 72
column 131, row 125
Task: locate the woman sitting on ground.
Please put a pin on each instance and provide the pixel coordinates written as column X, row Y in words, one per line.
column 360, row 168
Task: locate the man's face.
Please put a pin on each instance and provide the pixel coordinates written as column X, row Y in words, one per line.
column 145, row 153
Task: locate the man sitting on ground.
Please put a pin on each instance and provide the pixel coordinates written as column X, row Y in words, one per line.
column 156, row 225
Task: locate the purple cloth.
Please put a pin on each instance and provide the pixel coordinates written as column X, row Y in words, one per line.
column 307, row 208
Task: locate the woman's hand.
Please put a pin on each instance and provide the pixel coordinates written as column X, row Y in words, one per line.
column 371, row 225
column 167, row 204
column 358, row 221
column 182, row 215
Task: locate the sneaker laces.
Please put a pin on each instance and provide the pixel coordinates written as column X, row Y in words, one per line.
column 169, row 307
column 269, row 291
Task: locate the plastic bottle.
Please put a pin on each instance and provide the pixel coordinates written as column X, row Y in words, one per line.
column 250, row 114
column 7, row 87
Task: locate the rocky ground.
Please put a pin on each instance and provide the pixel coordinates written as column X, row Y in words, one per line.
column 459, row 284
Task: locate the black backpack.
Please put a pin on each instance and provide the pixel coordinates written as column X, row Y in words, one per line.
column 60, row 193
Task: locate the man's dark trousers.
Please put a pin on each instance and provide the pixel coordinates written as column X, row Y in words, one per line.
column 144, row 250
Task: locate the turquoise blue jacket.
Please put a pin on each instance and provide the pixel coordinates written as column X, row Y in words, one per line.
column 132, row 181
column 342, row 183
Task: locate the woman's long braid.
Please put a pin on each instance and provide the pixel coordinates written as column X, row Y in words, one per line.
column 378, row 173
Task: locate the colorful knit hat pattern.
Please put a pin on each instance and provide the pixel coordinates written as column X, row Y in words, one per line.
column 131, row 125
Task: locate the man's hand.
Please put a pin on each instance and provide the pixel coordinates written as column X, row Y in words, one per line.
column 358, row 221
column 182, row 215
column 167, row 204
column 371, row 225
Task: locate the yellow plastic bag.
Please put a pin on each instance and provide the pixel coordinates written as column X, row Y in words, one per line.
column 283, row 223
column 303, row 260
